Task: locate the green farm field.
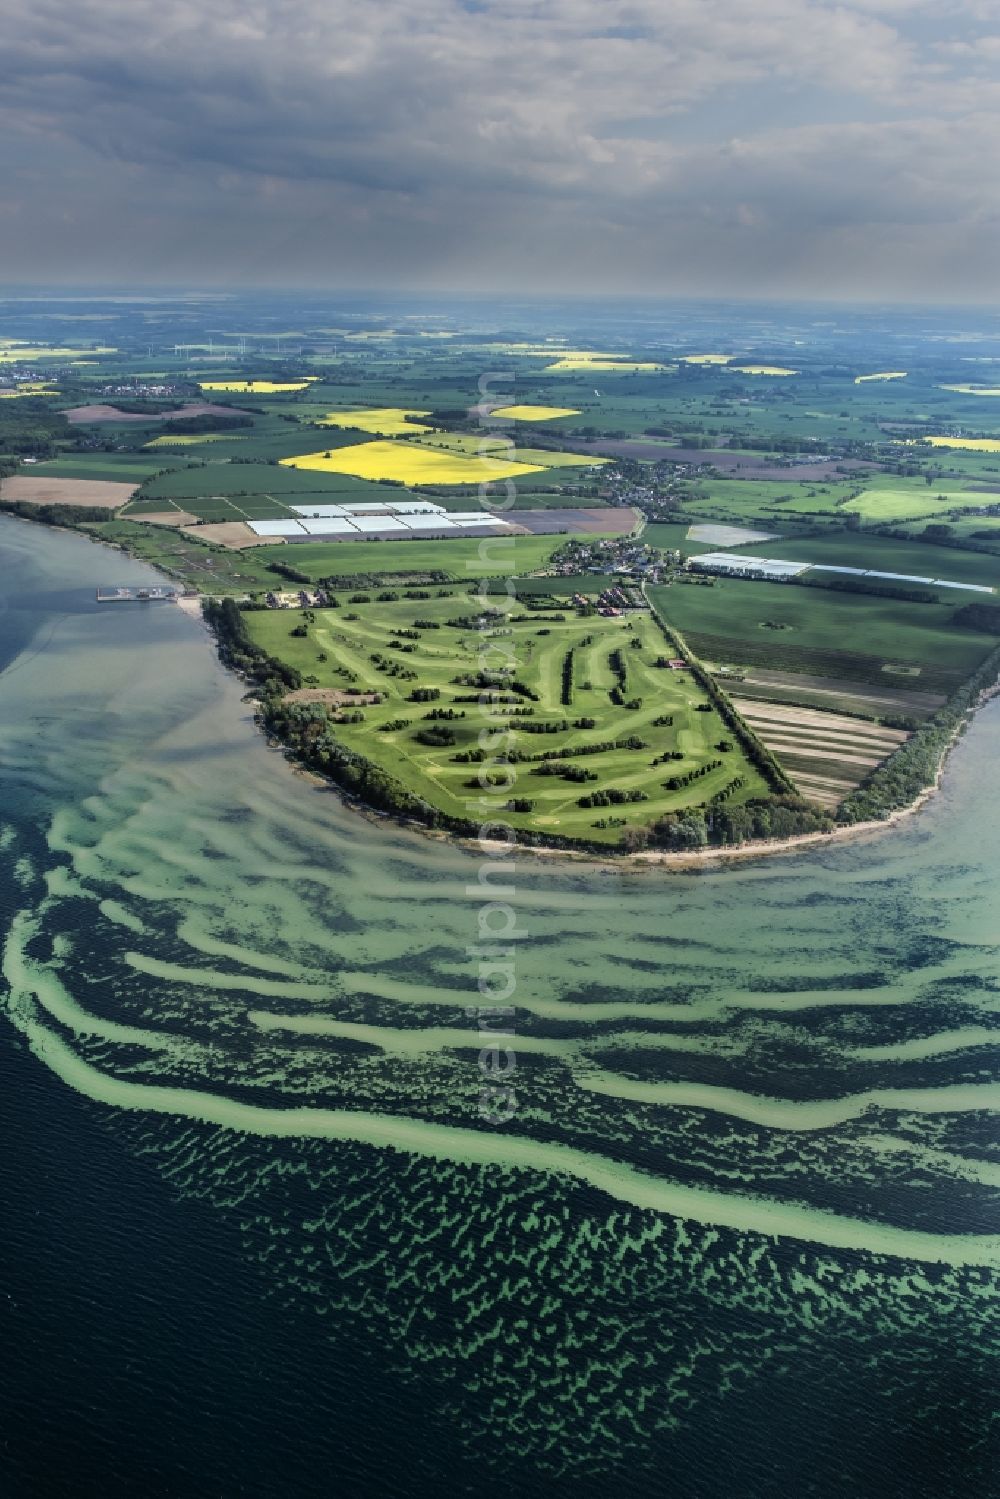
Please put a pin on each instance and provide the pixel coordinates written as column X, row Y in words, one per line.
column 881, row 553
column 352, row 646
column 978, row 530
column 264, row 441
column 107, row 467
column 190, row 485
column 194, row 478
column 816, row 631
column 214, row 507
column 212, row 569
column 218, row 570
column 891, row 505
column 458, row 559
column 205, row 479
column 768, row 502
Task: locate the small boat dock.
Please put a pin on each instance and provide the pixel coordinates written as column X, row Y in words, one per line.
column 136, row 595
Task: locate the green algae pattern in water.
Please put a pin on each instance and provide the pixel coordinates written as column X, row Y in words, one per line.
column 756, row 1119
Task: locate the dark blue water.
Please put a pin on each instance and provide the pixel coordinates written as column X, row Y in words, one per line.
column 142, row 1356
column 172, row 1324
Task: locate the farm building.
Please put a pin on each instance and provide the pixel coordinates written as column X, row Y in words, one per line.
column 774, row 570
column 733, row 565
column 376, row 519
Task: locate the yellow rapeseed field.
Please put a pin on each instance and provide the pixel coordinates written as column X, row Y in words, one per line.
column 34, row 354
column 597, row 365
column 467, row 446
column 973, row 444
column 884, row 375
column 257, row 387
column 709, row 358
column 409, row 464
column 534, row 413
column 386, row 421
column 30, row 388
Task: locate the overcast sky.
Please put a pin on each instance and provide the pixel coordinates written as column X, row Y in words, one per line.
column 732, row 147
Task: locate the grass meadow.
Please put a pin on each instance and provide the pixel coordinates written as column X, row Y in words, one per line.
column 815, row 631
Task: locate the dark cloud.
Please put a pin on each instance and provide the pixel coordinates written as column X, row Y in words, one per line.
column 704, row 145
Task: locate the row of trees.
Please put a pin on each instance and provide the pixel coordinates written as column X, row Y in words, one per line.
column 915, row 764
column 70, row 516
column 29, row 428
column 743, row 822
column 757, row 753
column 269, row 676
column 880, row 590
column 306, row 729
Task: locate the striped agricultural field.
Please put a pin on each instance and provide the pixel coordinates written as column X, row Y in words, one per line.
column 826, row 754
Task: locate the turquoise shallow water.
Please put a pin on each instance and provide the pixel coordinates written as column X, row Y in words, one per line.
column 741, row 1230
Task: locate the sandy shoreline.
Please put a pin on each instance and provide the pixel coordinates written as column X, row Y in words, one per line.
column 695, row 858
column 764, row 848
column 682, row 859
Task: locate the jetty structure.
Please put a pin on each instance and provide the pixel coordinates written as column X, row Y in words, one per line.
column 140, row 595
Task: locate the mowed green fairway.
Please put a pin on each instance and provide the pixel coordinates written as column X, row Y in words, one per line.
column 791, row 628
column 538, row 649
